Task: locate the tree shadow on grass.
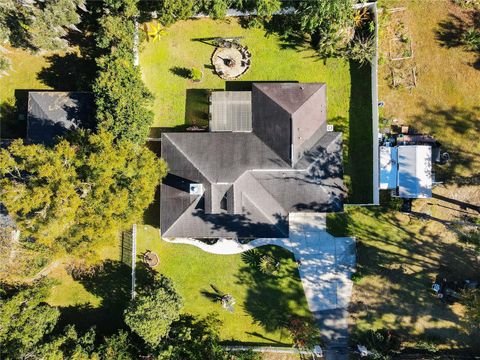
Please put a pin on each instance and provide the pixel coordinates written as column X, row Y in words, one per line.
column 272, row 300
column 398, row 257
column 215, row 295
column 464, row 123
column 288, row 29
column 69, row 72
column 450, row 32
column 111, row 282
column 180, row 71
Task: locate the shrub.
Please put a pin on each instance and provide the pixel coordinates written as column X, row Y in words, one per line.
column 4, row 64
column 471, row 39
column 196, row 74
column 305, row 333
column 382, row 343
column 267, row 265
column 362, row 49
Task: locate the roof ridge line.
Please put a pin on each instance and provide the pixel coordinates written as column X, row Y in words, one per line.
column 196, row 201
column 269, row 193
column 323, row 85
column 276, row 102
column 291, row 113
column 190, row 160
column 260, row 209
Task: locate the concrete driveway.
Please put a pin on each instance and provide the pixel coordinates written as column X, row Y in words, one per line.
column 327, row 264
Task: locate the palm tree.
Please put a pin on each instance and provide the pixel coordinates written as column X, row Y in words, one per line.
column 155, row 32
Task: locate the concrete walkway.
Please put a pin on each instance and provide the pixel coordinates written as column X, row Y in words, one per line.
column 326, row 266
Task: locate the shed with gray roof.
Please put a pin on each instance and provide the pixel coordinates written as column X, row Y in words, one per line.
column 51, row 114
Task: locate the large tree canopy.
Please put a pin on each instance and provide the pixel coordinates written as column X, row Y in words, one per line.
column 24, row 320
column 78, row 192
column 328, row 22
column 122, row 99
column 153, row 310
column 40, row 25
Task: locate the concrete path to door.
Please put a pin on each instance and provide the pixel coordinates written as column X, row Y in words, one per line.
column 326, row 266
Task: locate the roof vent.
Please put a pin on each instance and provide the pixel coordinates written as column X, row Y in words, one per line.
column 196, row 189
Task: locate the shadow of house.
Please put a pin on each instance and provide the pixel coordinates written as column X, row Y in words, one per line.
column 53, row 114
column 359, row 163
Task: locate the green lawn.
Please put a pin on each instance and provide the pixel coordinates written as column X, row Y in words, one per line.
column 398, row 258
column 22, row 76
column 180, row 102
column 264, row 303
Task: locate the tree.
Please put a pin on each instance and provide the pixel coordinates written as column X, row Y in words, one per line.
column 115, row 35
column 192, row 338
column 80, row 192
column 72, row 345
column 117, row 347
column 25, row 320
column 217, row 9
column 153, row 310
column 170, row 11
column 327, row 22
column 40, row 25
column 122, row 100
column 266, row 8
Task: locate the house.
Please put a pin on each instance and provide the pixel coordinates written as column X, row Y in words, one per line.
column 407, row 170
column 268, row 153
column 51, row 114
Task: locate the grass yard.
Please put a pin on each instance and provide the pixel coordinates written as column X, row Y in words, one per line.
column 21, row 76
column 92, row 299
column 446, row 101
column 264, row 303
column 180, row 102
column 399, row 257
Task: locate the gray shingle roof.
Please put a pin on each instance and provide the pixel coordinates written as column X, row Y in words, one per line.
column 51, row 114
column 249, row 188
column 289, row 117
column 223, row 157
